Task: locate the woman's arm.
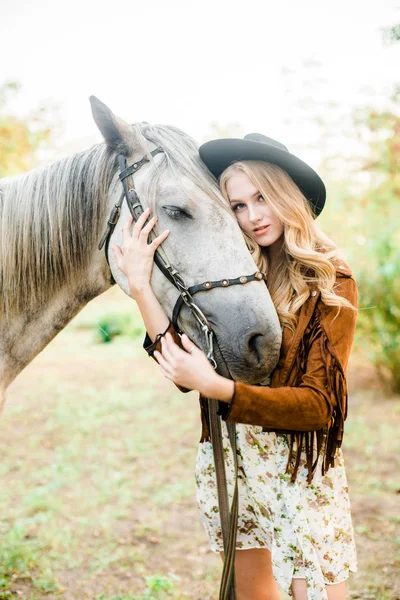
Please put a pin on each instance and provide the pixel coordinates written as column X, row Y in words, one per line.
column 306, row 407
column 303, row 408
column 189, row 368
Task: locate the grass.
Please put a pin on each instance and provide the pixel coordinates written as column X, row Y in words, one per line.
column 24, row 559
column 97, row 497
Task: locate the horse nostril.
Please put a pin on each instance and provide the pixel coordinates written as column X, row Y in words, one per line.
column 254, row 342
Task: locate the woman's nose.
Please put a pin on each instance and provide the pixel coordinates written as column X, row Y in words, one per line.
column 255, row 214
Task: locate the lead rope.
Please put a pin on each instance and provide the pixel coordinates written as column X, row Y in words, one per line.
column 228, row 519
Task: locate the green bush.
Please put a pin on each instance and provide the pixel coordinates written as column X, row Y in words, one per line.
column 378, row 278
column 110, row 326
column 367, row 220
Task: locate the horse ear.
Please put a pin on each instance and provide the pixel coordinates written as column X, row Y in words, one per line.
column 117, row 134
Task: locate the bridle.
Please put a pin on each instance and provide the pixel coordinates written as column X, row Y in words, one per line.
column 160, row 258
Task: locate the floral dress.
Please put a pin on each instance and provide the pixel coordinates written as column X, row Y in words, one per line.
column 307, row 527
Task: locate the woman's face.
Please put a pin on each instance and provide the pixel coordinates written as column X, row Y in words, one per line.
column 252, row 212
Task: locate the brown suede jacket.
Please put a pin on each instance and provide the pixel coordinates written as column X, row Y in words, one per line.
column 307, row 397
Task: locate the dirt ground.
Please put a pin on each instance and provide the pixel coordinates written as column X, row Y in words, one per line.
column 97, row 497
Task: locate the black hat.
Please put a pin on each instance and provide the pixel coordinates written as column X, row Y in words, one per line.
column 219, row 154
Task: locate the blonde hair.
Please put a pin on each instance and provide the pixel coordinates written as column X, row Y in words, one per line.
column 308, row 254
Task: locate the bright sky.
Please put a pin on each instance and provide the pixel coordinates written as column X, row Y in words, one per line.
column 189, row 63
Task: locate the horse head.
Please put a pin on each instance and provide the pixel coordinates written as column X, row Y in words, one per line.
column 205, row 244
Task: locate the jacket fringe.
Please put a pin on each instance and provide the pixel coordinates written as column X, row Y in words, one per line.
column 329, row 439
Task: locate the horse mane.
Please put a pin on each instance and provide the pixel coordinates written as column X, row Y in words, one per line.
column 51, row 218
column 49, row 224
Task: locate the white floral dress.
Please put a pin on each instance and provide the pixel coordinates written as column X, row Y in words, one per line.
column 307, row 527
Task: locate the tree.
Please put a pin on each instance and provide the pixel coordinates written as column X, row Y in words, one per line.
column 20, row 138
column 375, row 218
column 391, row 34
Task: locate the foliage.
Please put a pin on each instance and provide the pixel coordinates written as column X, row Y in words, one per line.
column 20, row 138
column 112, row 325
column 375, row 219
column 379, row 286
column 156, row 586
column 392, row 34
column 20, row 557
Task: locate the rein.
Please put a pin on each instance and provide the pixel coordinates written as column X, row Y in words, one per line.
column 228, row 517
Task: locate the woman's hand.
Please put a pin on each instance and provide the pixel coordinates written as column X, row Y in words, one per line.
column 136, row 258
column 190, row 368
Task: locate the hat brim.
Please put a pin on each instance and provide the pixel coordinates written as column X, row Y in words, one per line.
column 220, row 154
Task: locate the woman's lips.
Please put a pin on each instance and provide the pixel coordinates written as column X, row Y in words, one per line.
column 260, row 231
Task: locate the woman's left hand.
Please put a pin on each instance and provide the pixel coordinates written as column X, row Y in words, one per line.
column 188, row 368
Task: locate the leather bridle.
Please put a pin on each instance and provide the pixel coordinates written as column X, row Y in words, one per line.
column 185, row 293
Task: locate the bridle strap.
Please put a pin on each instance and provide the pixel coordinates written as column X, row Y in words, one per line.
column 111, row 223
column 136, row 209
column 116, row 211
column 131, row 170
column 209, row 285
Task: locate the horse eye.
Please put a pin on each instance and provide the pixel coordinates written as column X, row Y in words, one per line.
column 177, row 213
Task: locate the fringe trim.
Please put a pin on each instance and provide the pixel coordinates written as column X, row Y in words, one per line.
column 327, row 440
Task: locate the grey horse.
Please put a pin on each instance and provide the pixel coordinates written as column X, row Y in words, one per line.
column 51, row 221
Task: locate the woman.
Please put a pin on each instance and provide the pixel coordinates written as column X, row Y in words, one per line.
column 294, row 525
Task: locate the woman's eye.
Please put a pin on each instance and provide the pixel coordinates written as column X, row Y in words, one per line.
column 261, row 198
column 176, row 213
column 238, row 207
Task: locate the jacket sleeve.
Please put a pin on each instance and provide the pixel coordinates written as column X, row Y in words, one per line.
column 321, row 392
column 151, row 347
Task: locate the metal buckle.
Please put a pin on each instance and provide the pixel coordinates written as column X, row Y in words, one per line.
column 114, row 215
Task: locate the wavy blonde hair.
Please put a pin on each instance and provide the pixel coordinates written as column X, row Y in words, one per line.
column 308, row 254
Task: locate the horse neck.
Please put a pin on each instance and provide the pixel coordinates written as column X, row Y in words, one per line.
column 27, row 334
